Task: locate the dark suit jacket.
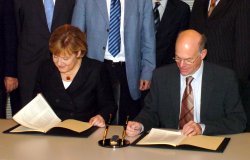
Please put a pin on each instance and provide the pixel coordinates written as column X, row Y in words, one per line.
column 8, row 39
column 175, row 19
column 1, row 45
column 89, row 94
column 8, row 53
column 227, row 31
column 221, row 108
column 2, row 113
column 33, row 34
column 1, row 39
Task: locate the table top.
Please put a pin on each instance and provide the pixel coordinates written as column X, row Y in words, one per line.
column 43, row 147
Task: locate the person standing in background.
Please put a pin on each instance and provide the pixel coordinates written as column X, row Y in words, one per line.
column 8, row 73
column 226, row 25
column 36, row 19
column 171, row 17
column 1, row 59
column 121, row 33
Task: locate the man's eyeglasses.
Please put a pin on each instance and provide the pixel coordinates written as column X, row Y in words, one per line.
column 187, row 60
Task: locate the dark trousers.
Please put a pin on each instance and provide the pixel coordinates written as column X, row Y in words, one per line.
column 14, row 102
column 126, row 105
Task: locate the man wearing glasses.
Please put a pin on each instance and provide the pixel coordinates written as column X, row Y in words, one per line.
column 192, row 95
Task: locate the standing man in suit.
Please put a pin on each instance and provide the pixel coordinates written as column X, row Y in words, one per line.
column 192, row 95
column 2, row 91
column 36, row 19
column 174, row 17
column 121, row 33
column 226, row 25
column 8, row 73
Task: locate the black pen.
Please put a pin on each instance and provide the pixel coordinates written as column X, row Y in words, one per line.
column 106, row 129
column 124, row 131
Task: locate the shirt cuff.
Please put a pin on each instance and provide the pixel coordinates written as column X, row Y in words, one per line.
column 203, row 126
column 142, row 128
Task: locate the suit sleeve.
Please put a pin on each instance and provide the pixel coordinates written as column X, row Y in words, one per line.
column 10, row 38
column 234, row 118
column 149, row 114
column 148, row 42
column 78, row 18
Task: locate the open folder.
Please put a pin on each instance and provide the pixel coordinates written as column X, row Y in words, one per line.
column 172, row 139
column 38, row 117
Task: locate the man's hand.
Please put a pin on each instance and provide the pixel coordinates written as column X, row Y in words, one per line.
column 144, row 85
column 133, row 128
column 191, row 129
column 10, row 83
column 97, row 121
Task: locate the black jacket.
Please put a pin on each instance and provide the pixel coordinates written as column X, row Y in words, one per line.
column 89, row 94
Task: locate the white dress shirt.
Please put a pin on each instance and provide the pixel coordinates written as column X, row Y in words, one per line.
column 53, row 1
column 66, row 84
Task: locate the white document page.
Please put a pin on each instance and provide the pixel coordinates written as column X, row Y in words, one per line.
column 160, row 136
column 37, row 114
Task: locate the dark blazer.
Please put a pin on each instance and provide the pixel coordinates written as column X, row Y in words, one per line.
column 1, row 47
column 175, row 19
column 89, row 94
column 10, row 35
column 221, row 108
column 33, row 34
column 227, row 31
column 8, row 55
column 2, row 92
column 1, row 39
column 8, row 39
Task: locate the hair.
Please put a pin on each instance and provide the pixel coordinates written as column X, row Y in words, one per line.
column 202, row 42
column 67, row 40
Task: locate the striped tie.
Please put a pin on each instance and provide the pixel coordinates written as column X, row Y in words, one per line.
column 49, row 10
column 114, row 41
column 156, row 15
column 187, row 104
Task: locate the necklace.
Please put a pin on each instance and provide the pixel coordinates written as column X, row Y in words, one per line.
column 68, row 78
column 69, row 75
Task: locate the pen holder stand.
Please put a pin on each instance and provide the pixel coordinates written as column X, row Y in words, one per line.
column 119, row 144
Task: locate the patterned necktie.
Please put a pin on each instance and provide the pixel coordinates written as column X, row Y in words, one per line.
column 156, row 15
column 114, row 41
column 211, row 8
column 187, row 104
column 49, row 10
